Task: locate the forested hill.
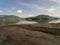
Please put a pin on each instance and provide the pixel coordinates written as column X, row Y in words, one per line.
column 9, row 16
column 42, row 18
column 7, row 19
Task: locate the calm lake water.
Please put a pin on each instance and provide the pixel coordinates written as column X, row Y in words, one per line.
column 55, row 21
column 27, row 22
column 33, row 22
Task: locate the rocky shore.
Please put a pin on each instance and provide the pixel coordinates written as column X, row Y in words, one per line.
column 30, row 34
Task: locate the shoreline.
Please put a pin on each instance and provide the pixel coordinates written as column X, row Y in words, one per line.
column 52, row 28
column 29, row 34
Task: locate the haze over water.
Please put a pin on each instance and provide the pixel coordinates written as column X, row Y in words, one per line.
column 55, row 21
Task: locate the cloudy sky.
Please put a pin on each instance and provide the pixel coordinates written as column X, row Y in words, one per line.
column 28, row 8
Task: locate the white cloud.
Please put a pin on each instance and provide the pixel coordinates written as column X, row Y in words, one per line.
column 30, row 15
column 19, row 11
column 52, row 9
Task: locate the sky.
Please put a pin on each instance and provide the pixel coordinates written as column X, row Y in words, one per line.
column 28, row 8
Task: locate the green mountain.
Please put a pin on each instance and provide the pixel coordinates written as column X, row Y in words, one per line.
column 41, row 18
column 9, row 19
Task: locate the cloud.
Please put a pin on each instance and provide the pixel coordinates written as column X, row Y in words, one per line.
column 19, row 11
column 51, row 9
column 13, row 8
column 37, row 7
column 31, row 5
column 1, row 11
column 57, row 1
column 30, row 15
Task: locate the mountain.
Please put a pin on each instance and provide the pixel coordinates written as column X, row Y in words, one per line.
column 9, row 19
column 42, row 18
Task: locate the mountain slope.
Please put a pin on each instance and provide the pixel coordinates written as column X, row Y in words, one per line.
column 42, row 18
column 9, row 19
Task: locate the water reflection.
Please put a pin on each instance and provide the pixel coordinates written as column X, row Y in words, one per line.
column 55, row 21
column 27, row 22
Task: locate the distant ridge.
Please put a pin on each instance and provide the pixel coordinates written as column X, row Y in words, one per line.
column 42, row 18
column 9, row 19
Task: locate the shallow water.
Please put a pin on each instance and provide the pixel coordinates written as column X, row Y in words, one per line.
column 27, row 22
column 55, row 21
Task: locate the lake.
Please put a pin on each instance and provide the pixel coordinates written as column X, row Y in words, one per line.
column 55, row 21
column 27, row 22
column 34, row 22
